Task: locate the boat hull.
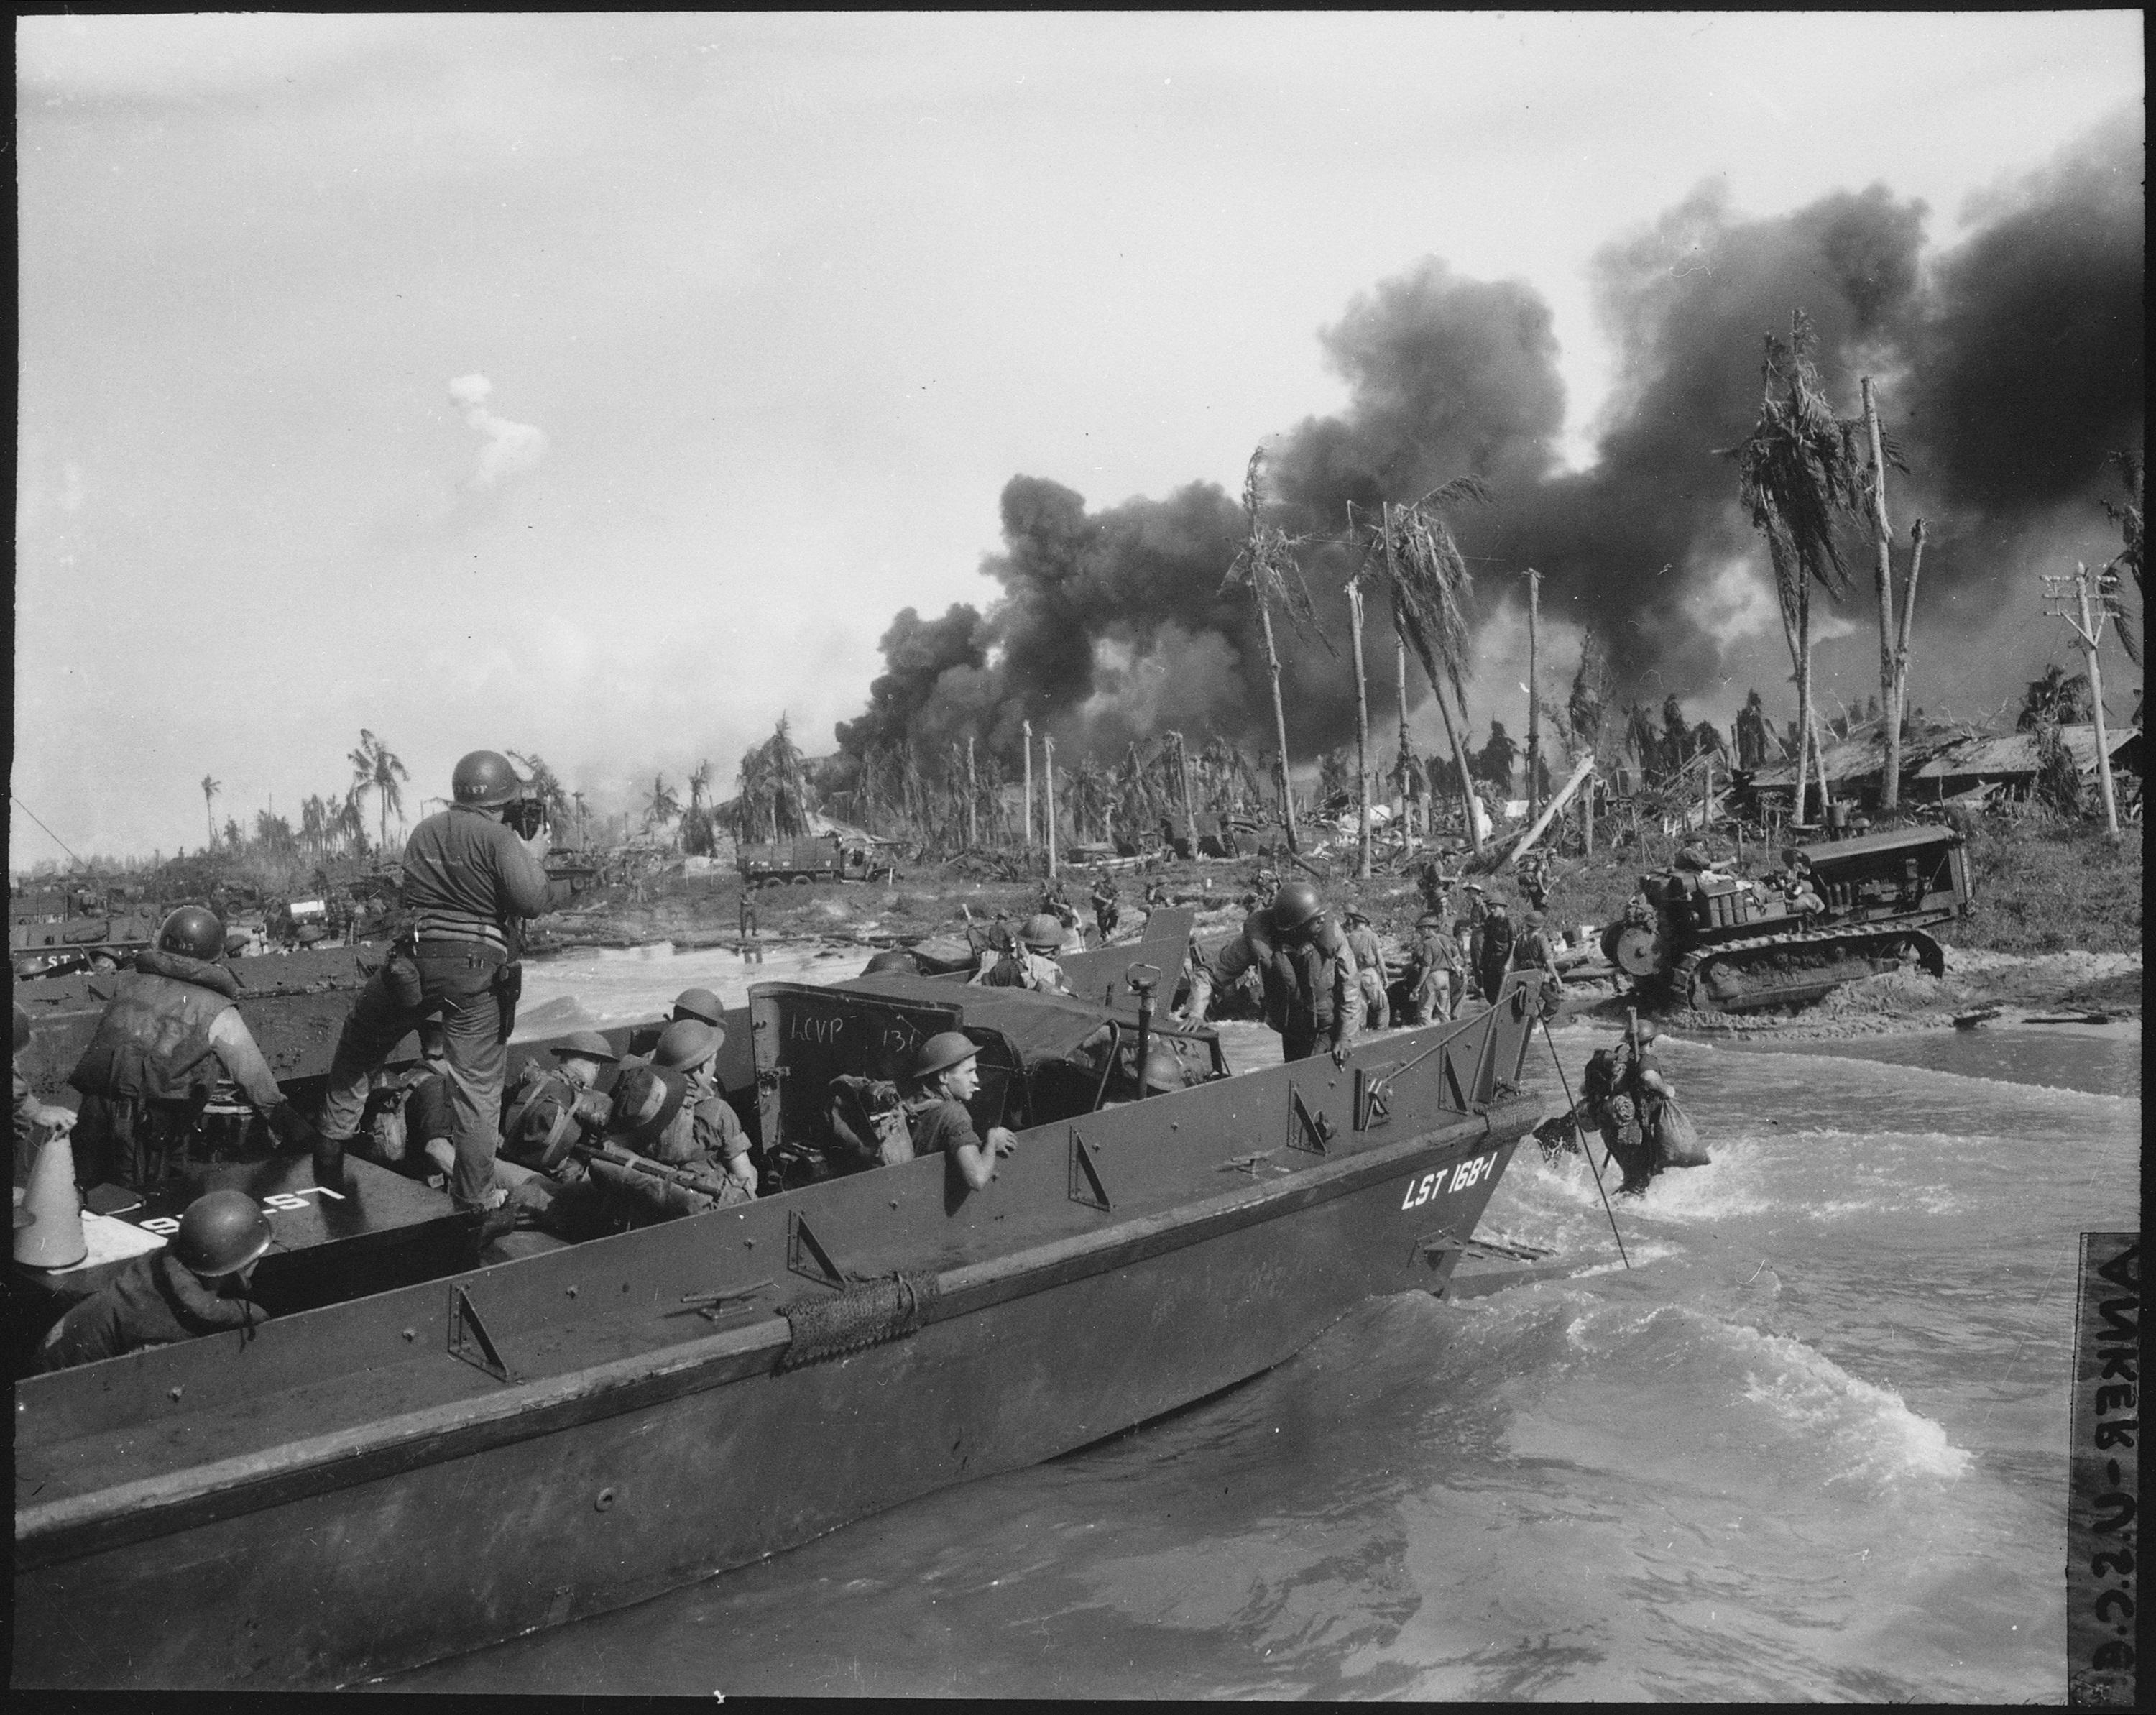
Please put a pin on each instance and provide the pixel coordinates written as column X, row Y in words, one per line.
column 435, row 1523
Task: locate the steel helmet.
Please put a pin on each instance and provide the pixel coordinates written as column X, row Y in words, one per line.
column 587, row 1043
column 640, row 1098
column 1430, row 920
column 484, row 777
column 193, row 931
column 1355, row 914
column 1496, row 904
column 220, row 1234
column 1295, row 904
column 1163, row 1068
column 1646, row 1031
column 1044, row 930
column 687, row 1044
column 698, row 1004
column 891, row 958
column 941, row 1052
column 21, row 1028
column 1534, row 920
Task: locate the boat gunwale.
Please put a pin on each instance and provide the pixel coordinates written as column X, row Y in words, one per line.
column 114, row 1516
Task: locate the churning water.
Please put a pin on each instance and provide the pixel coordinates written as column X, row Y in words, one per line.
column 1810, row 1445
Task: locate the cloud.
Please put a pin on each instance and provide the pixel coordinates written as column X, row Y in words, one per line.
column 509, row 447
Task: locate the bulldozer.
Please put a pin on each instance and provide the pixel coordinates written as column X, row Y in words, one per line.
column 1718, row 943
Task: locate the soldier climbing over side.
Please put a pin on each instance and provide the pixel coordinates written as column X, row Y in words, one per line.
column 1493, row 950
column 1622, row 1093
column 1305, row 966
column 1534, row 952
column 470, row 882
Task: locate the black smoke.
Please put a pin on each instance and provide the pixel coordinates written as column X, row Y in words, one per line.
column 2006, row 368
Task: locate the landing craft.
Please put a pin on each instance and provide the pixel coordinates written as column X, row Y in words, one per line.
column 409, row 1462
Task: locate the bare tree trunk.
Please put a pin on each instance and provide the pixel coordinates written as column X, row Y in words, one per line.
column 1451, row 732
column 1908, row 616
column 1406, row 760
column 972, row 798
column 1280, row 721
column 1362, row 730
column 1183, row 775
column 1805, row 750
column 1890, row 784
column 1048, row 779
column 1026, row 844
column 1534, row 702
column 2090, row 634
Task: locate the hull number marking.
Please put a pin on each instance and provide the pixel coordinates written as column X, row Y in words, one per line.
column 1446, row 1181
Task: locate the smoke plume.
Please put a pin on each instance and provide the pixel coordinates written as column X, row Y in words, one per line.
column 506, row 447
column 2005, row 368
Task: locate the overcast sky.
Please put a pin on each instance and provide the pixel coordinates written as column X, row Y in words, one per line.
column 600, row 386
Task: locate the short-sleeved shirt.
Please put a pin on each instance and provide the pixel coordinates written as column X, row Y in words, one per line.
column 939, row 1124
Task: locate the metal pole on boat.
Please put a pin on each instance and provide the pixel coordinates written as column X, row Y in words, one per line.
column 1585, row 1147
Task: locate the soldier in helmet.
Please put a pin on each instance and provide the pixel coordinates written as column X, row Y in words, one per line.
column 1534, row 951
column 196, row 1284
column 1436, row 963
column 947, row 1076
column 1493, row 949
column 470, row 884
column 1372, row 1009
column 544, row 1104
column 1621, row 1092
column 1032, row 966
column 171, row 1033
column 1303, row 960
column 698, row 1004
column 1107, row 901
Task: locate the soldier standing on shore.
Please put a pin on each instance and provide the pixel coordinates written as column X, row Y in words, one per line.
column 1436, row 970
column 1108, row 904
column 1369, row 977
column 469, row 882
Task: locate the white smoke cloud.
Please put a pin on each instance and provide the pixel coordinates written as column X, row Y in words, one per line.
column 508, row 446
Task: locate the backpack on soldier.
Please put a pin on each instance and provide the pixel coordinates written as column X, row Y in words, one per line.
column 868, row 1119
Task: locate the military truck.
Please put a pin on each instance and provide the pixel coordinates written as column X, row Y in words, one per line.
column 823, row 857
column 1720, row 943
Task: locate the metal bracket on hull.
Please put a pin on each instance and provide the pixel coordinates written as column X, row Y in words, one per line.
column 806, row 1256
column 1433, row 1246
column 1373, row 1095
column 1086, row 1183
column 1305, row 1132
column 470, row 1340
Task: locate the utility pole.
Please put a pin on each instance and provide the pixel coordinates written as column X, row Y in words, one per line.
column 2088, row 633
column 1026, row 842
column 1534, row 701
column 1048, row 778
column 972, row 798
column 1890, row 782
column 1362, row 730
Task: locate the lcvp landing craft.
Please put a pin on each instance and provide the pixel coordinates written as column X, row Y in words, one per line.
column 414, row 1459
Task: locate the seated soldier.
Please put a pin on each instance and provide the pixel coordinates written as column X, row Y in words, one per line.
column 1165, row 1071
column 698, row 1004
column 544, row 1104
column 665, row 1111
column 945, row 1078
column 196, row 1284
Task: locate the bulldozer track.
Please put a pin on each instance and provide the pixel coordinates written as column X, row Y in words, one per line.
column 1849, row 938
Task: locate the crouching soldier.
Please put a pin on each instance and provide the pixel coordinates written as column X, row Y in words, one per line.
column 171, row 1033
column 1305, row 966
column 946, row 1077
column 195, row 1285
column 549, row 1102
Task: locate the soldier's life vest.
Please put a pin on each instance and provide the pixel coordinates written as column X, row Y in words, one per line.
column 1298, row 978
column 153, row 1043
column 1496, row 943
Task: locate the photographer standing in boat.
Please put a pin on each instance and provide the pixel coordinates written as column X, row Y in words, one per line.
column 469, row 881
column 1306, row 969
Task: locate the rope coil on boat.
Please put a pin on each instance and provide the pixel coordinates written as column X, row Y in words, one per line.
column 869, row 1313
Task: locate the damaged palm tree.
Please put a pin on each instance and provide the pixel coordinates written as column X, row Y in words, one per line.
column 1431, row 587
column 1267, row 567
column 1799, row 467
